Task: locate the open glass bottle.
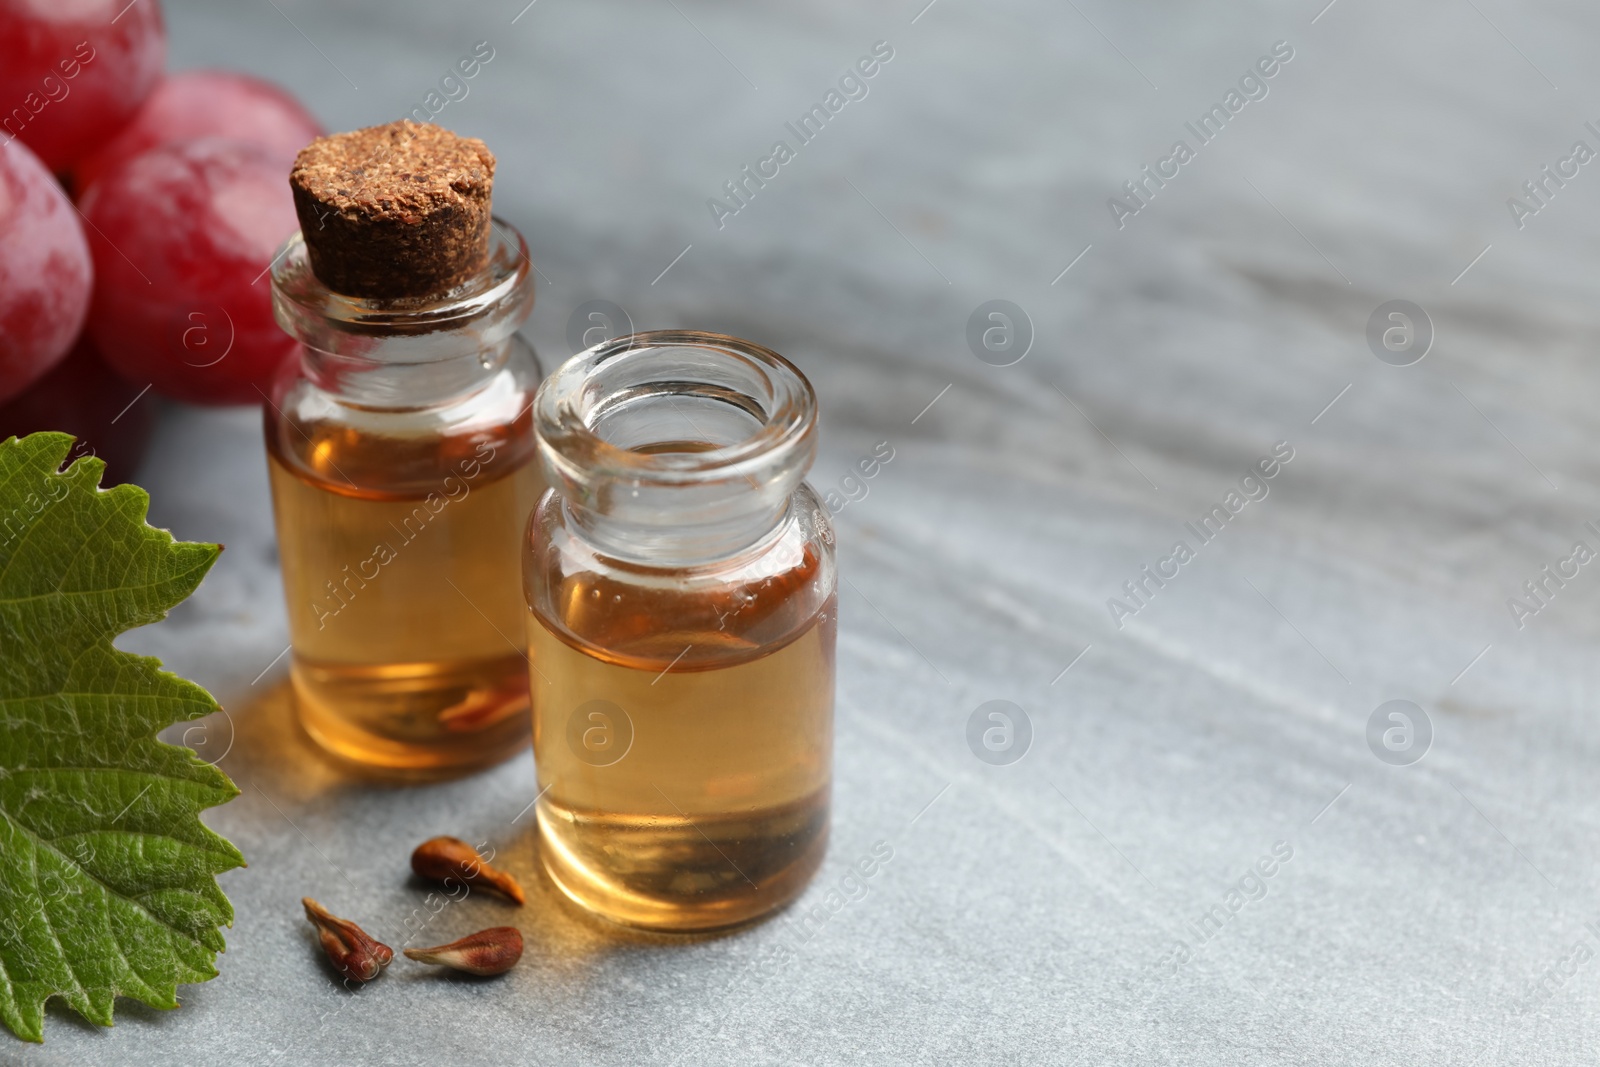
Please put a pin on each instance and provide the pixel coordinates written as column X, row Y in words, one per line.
column 681, row 582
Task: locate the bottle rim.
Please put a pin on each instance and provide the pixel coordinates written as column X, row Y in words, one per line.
column 592, row 385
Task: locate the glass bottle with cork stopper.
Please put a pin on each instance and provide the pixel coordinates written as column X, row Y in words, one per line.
column 400, row 451
column 680, row 576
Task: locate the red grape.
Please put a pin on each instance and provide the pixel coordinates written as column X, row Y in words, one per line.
column 206, row 103
column 75, row 71
column 82, row 397
column 182, row 237
column 45, row 273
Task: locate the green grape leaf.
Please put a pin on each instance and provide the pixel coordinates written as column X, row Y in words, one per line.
column 107, row 877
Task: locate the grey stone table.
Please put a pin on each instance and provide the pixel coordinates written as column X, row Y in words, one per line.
column 1053, row 909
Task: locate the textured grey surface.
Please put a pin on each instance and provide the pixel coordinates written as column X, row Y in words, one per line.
column 1028, row 909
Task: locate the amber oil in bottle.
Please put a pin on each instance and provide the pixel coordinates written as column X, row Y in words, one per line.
column 405, row 618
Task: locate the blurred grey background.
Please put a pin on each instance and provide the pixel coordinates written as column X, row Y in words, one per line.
column 1044, row 910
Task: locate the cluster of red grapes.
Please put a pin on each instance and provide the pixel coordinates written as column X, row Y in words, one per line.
column 139, row 214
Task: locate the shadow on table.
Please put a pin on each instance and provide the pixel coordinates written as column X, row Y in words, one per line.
column 263, row 739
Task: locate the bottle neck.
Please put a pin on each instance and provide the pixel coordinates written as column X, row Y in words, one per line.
column 409, row 352
column 675, row 539
column 676, row 448
column 464, row 366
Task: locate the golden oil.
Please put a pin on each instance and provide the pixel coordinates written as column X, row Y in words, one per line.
column 683, row 795
column 404, row 612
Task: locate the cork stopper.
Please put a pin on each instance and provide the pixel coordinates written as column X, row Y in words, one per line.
column 400, row 210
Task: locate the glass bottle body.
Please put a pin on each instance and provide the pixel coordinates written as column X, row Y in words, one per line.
column 401, row 461
column 683, row 688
